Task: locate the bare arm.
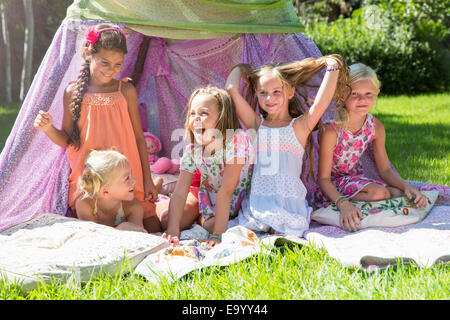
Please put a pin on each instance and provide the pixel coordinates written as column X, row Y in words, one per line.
column 132, row 100
column 349, row 215
column 230, row 180
column 381, row 158
column 385, row 170
column 324, row 95
column 135, row 215
column 244, row 111
column 84, row 210
column 44, row 122
column 177, row 202
column 327, row 144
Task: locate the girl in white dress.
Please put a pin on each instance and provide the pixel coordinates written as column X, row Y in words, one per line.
column 277, row 195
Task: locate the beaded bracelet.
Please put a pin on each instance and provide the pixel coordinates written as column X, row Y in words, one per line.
column 214, row 236
column 339, row 199
column 332, row 68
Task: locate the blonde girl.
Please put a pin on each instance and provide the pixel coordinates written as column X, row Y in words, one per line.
column 342, row 143
column 221, row 151
column 107, row 192
column 101, row 112
column 277, row 198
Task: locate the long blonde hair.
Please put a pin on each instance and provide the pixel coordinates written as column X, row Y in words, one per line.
column 298, row 75
column 357, row 72
column 99, row 170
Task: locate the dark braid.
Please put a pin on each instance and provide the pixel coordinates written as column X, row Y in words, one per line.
column 80, row 89
column 108, row 40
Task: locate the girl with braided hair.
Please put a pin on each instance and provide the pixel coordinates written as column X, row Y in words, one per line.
column 107, row 192
column 100, row 113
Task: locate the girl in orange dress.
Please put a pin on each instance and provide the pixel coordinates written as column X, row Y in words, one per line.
column 101, row 113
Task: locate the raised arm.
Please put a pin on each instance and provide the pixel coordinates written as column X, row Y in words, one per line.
column 245, row 112
column 130, row 95
column 324, row 95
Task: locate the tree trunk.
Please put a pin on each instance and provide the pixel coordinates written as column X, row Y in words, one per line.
column 7, row 46
column 27, row 49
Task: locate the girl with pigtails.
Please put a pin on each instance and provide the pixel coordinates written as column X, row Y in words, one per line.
column 101, row 113
column 107, row 192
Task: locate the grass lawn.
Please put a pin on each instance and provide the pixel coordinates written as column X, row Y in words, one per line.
column 418, row 144
column 8, row 115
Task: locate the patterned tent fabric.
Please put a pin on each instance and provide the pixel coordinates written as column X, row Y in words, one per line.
column 192, row 19
column 34, row 171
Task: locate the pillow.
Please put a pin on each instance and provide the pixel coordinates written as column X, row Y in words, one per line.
column 51, row 247
column 170, row 180
column 392, row 212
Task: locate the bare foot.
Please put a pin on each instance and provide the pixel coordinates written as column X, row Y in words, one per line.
column 158, row 182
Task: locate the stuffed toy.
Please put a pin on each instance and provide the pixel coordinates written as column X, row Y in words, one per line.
column 159, row 165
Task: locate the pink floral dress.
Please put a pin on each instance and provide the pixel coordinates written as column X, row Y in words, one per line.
column 346, row 172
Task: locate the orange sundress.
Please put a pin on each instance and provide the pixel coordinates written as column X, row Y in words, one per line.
column 105, row 124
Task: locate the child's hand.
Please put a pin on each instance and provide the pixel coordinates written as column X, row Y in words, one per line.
column 150, row 192
column 420, row 200
column 212, row 242
column 350, row 216
column 43, row 121
column 332, row 63
column 173, row 240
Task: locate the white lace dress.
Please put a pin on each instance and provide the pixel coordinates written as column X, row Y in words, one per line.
column 277, row 195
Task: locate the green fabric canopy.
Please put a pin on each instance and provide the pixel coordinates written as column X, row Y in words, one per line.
column 192, row 19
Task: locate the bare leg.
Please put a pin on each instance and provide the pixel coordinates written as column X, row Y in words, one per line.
column 208, row 224
column 190, row 212
column 152, row 224
column 372, row 192
column 395, row 192
column 158, row 182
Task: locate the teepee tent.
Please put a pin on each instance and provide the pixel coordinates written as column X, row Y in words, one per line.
column 173, row 47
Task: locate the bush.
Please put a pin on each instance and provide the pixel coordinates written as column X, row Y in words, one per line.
column 403, row 41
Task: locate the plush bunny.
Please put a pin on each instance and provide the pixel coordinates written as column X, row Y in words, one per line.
column 159, row 165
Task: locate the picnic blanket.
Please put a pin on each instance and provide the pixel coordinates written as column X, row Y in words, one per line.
column 424, row 244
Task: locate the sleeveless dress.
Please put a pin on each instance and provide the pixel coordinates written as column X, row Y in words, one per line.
column 105, row 124
column 346, row 171
column 277, row 194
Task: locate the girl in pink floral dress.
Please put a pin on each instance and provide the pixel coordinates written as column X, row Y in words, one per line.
column 342, row 144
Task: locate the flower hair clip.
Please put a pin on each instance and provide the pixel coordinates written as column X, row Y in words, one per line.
column 93, row 35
